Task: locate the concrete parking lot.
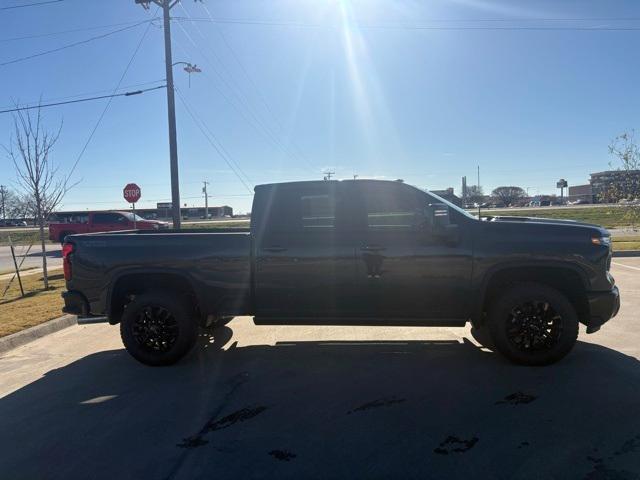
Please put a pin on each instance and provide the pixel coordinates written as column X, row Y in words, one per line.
column 324, row 402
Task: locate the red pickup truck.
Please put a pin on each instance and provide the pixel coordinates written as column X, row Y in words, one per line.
column 102, row 222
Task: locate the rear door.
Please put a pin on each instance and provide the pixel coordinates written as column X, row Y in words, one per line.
column 404, row 270
column 305, row 260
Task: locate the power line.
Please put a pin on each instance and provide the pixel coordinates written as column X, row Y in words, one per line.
column 404, row 26
column 31, row 4
column 85, row 94
column 63, row 32
column 269, row 134
column 45, row 105
column 236, row 57
column 71, row 45
column 217, row 146
column 106, row 107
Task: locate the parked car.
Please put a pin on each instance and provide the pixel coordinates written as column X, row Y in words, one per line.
column 580, row 201
column 102, row 222
column 349, row 252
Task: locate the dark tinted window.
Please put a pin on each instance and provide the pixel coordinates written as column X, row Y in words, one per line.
column 304, row 208
column 390, row 206
column 108, row 218
column 318, row 211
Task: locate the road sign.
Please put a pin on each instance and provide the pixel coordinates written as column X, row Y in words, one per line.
column 132, row 193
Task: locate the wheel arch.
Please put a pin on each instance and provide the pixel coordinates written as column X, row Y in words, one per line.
column 135, row 282
column 566, row 278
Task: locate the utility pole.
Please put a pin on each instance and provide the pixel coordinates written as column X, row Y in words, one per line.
column 206, row 200
column 327, row 175
column 3, row 199
column 166, row 6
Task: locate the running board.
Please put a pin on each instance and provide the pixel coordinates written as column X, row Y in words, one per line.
column 92, row 320
column 372, row 322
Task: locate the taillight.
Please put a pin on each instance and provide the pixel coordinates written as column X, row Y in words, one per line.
column 67, row 250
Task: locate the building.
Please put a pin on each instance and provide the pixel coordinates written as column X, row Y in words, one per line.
column 448, row 195
column 613, row 185
column 583, row 193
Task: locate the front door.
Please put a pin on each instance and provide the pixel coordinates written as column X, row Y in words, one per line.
column 305, row 261
column 404, row 270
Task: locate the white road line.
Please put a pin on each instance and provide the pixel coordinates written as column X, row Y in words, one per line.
column 623, row 265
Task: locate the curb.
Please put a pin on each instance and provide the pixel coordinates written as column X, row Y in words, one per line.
column 627, row 253
column 18, row 339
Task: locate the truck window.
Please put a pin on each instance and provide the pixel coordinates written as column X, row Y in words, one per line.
column 104, row 218
column 307, row 209
column 318, row 211
column 390, row 207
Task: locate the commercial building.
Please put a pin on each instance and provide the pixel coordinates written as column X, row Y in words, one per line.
column 613, row 185
column 583, row 193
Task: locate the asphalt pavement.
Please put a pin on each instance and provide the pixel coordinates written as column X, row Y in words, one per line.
column 32, row 259
column 324, row 402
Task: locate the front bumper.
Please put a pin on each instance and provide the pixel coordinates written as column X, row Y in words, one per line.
column 602, row 307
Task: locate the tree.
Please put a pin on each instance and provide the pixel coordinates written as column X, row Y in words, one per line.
column 627, row 186
column 43, row 187
column 475, row 193
column 508, row 195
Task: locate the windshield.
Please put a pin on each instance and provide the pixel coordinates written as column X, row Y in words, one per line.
column 131, row 217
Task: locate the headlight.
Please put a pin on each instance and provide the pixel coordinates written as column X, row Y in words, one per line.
column 602, row 240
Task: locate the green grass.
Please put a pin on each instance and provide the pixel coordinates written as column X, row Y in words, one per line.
column 608, row 217
column 22, row 237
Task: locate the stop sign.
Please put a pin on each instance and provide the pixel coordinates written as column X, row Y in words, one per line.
column 132, row 193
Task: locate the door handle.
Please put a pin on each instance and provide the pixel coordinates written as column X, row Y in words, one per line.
column 275, row 248
column 372, row 248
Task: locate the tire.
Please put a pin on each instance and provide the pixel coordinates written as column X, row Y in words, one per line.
column 533, row 324
column 158, row 328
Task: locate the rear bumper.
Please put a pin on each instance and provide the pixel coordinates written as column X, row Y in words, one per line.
column 602, row 306
column 75, row 303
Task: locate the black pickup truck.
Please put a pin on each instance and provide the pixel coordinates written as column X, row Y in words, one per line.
column 357, row 252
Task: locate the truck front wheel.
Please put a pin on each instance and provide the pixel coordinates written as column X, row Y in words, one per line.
column 158, row 328
column 533, row 324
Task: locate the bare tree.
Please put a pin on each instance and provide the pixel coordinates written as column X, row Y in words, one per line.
column 475, row 193
column 626, row 151
column 30, row 149
column 508, row 195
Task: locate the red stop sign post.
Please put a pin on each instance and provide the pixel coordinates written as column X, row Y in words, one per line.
column 132, row 194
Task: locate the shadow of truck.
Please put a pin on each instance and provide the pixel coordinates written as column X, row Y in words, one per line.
column 414, row 409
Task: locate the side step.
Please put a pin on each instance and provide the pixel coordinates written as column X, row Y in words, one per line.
column 372, row 322
column 92, row 320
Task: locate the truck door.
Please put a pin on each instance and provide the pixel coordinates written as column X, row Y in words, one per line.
column 305, row 260
column 404, row 269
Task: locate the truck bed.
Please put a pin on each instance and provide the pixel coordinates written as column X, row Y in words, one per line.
column 215, row 263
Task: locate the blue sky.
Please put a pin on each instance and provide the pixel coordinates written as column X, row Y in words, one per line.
column 291, row 88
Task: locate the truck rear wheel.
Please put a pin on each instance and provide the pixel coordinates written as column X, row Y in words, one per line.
column 533, row 324
column 158, row 328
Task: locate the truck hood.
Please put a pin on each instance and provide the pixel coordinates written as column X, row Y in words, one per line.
column 547, row 221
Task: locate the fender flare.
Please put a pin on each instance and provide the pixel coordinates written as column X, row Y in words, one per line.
column 481, row 286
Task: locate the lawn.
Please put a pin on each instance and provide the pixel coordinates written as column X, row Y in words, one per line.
column 608, row 217
column 21, row 237
column 36, row 307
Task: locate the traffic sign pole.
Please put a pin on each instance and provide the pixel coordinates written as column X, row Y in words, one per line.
column 132, row 194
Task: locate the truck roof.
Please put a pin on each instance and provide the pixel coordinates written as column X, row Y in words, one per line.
column 312, row 183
